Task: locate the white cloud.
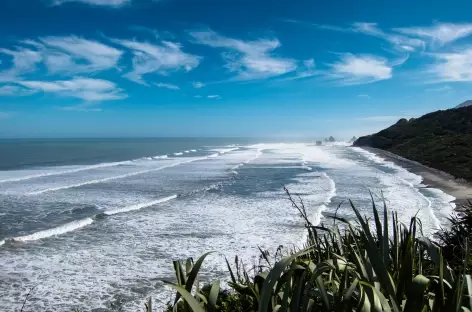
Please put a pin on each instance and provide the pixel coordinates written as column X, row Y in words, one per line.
column 157, row 58
column 68, row 56
column 198, row 85
column 197, row 96
column 248, row 59
column 407, row 48
column 110, row 3
column 398, row 41
column 23, row 61
column 307, row 70
column 77, row 55
column 60, row 55
column 441, row 33
column 214, row 96
column 157, row 34
column 309, row 64
column 366, row 96
column 410, row 39
column 354, row 70
column 399, row 60
column 12, row 90
column 167, row 86
column 452, row 67
column 87, row 89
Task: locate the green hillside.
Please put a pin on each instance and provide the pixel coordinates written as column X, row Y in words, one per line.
column 441, row 140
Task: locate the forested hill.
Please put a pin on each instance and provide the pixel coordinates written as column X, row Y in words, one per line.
column 441, row 140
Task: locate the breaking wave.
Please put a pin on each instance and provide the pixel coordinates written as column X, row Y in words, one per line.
column 63, row 187
column 68, row 227
column 139, row 206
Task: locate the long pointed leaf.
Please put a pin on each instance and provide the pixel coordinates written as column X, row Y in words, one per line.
column 383, row 301
column 385, row 247
column 468, row 280
column 273, row 277
column 189, row 299
column 376, row 260
column 213, row 297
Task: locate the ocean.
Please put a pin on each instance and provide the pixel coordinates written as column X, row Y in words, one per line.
column 94, row 224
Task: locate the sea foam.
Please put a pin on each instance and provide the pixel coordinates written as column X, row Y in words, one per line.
column 68, row 227
column 139, row 206
column 63, row 187
column 59, row 171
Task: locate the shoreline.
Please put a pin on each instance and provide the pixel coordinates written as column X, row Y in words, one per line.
column 434, row 178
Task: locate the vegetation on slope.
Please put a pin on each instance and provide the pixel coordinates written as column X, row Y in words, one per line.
column 464, row 104
column 440, row 140
column 348, row 267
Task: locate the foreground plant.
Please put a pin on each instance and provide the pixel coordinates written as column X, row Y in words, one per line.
column 347, row 267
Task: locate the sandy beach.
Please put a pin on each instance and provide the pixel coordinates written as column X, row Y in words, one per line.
column 460, row 189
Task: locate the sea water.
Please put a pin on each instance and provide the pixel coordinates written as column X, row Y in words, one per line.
column 95, row 224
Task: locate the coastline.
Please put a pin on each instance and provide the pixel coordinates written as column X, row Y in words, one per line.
column 461, row 190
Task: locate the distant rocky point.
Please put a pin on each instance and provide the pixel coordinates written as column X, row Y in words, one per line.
column 352, row 140
column 331, row 139
column 318, row 143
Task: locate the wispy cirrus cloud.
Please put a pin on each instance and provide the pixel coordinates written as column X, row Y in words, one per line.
column 160, row 58
column 452, row 67
column 363, row 69
column 197, row 84
column 13, row 90
column 213, row 96
column 306, row 70
column 408, row 39
column 399, row 42
column 309, row 64
column 108, row 3
column 64, row 56
column 167, row 86
column 440, row 33
column 68, row 55
column 87, row 89
column 249, row 60
column 71, row 54
column 23, row 61
column 363, row 95
column 158, row 34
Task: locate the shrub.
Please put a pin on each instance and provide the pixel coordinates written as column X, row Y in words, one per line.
column 386, row 266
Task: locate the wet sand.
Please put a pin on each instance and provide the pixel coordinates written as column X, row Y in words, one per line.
column 458, row 188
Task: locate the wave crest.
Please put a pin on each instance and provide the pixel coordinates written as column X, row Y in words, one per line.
column 65, row 228
column 139, row 206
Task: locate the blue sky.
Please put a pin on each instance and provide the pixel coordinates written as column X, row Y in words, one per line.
column 116, row 68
